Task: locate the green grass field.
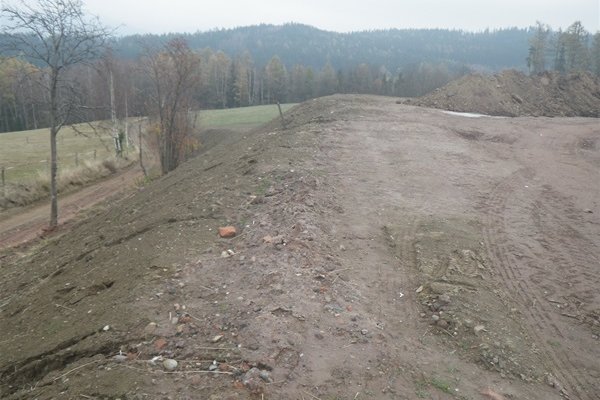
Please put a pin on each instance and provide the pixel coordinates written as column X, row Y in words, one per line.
column 24, row 155
column 240, row 118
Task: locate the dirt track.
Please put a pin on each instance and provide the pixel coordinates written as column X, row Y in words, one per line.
column 22, row 226
column 386, row 251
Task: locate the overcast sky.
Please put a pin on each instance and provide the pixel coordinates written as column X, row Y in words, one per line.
column 159, row 16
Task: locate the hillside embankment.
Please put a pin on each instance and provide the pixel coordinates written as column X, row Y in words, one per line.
column 382, row 251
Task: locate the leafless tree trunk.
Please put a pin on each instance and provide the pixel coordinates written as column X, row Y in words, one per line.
column 175, row 72
column 57, row 34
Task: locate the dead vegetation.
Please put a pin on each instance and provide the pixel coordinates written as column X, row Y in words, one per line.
column 19, row 194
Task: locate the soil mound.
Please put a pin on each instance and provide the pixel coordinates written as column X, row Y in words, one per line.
column 512, row 93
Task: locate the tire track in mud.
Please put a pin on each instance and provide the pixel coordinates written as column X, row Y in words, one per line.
column 538, row 314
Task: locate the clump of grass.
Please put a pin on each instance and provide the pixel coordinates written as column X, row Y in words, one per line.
column 29, row 191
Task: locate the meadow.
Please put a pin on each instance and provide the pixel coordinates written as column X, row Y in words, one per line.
column 86, row 153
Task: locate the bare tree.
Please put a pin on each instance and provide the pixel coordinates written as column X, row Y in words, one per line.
column 58, row 35
column 174, row 72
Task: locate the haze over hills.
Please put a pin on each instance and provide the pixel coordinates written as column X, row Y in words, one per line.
column 393, row 49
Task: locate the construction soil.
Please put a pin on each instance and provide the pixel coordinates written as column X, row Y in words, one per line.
column 512, row 93
column 383, row 251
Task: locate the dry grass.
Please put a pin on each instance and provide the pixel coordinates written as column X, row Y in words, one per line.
column 70, row 178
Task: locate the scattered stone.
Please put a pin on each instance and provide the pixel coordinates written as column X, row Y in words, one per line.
column 170, row 364
column 587, row 210
column 120, row 358
column 160, row 344
column 227, row 232
column 435, row 317
column 213, row 366
column 106, row 328
column 180, row 344
column 442, row 323
column 268, row 239
column 217, row 338
column 444, row 299
column 252, row 380
column 342, row 247
column 224, row 254
column 478, row 328
column 185, row 319
column 265, row 376
column 150, row 328
column 364, row 332
column 319, row 336
column 419, row 289
column 174, row 320
column 553, row 382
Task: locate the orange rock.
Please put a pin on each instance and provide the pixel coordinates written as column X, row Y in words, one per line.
column 227, row 232
column 159, row 344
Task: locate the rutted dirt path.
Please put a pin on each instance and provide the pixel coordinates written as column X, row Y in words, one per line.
column 383, row 251
column 21, row 226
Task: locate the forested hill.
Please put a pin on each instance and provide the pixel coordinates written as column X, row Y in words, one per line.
column 392, row 49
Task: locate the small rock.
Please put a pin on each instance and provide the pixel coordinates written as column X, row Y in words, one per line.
column 442, row 323
column 106, row 328
column 217, row 338
column 120, row 358
column 252, row 380
column 342, row 247
column 587, row 210
column 553, row 382
column 174, row 320
column 319, row 336
column 444, row 299
column 435, row 317
column 170, row 364
column 227, row 232
column 180, row 344
column 160, row 344
column 364, row 332
column 419, row 289
column 150, row 328
column 265, row 376
column 224, row 254
column 213, row 366
column 267, row 239
column 478, row 329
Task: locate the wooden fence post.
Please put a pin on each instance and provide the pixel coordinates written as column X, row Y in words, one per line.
column 281, row 115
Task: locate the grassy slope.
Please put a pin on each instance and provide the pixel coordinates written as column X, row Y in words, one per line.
column 24, row 154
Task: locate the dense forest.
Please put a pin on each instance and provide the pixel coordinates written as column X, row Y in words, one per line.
column 292, row 63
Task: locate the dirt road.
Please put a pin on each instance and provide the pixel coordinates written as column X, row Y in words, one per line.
column 383, row 251
column 21, row 226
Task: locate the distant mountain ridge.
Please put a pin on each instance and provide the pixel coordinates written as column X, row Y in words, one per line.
column 393, row 48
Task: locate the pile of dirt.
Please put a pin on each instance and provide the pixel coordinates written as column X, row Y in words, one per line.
column 512, row 93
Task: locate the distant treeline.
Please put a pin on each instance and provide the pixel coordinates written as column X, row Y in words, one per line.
column 292, row 63
column 392, row 49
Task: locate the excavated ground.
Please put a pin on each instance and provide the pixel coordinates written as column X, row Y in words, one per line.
column 383, row 251
column 512, row 93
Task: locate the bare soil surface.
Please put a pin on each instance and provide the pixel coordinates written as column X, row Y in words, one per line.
column 383, row 251
column 21, row 226
column 512, row 93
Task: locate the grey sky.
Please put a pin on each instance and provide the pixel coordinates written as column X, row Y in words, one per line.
column 158, row 16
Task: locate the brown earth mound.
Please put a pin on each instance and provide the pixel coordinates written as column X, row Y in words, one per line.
column 512, row 93
column 381, row 252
